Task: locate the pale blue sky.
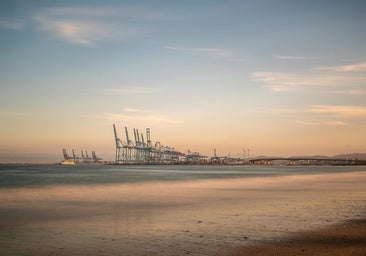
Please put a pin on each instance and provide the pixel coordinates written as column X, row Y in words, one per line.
column 279, row 77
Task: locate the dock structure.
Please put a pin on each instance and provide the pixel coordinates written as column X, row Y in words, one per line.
column 85, row 158
column 139, row 151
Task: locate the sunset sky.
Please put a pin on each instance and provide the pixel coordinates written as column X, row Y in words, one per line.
column 278, row 77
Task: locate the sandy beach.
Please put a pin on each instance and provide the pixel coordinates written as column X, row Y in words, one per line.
column 345, row 239
column 249, row 215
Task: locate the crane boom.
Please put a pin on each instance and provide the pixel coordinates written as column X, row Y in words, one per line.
column 127, row 138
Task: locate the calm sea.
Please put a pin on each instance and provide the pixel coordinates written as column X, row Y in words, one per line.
column 25, row 176
column 169, row 210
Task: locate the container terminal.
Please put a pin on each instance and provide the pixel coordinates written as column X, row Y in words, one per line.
column 141, row 150
column 83, row 159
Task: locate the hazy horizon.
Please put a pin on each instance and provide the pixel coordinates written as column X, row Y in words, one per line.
column 41, row 158
column 278, row 77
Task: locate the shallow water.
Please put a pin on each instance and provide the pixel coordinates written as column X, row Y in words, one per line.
column 168, row 210
column 21, row 176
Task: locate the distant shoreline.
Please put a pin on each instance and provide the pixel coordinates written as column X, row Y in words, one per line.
column 14, row 164
column 188, row 164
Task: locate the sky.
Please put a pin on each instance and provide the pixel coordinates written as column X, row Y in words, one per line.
column 280, row 78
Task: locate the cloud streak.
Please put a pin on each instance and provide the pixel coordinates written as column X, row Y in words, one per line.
column 87, row 26
column 216, row 53
column 324, row 115
column 126, row 91
column 287, row 57
column 356, row 92
column 135, row 110
column 358, row 67
column 345, row 111
column 136, row 115
column 72, row 31
column 285, row 81
column 348, row 79
column 338, row 110
column 131, row 13
column 322, row 123
column 85, row 32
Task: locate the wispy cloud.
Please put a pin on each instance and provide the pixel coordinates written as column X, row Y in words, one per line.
column 323, row 115
column 357, row 92
column 330, row 78
column 216, row 53
column 281, row 111
column 132, row 13
column 287, row 57
column 339, row 110
column 12, row 24
column 75, row 32
column 136, row 115
column 357, row 67
column 343, row 111
column 322, row 123
column 135, row 110
column 285, row 81
column 126, row 90
column 86, row 32
column 90, row 25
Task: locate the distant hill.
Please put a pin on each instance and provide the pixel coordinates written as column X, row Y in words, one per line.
column 314, row 156
column 352, row 155
column 347, row 155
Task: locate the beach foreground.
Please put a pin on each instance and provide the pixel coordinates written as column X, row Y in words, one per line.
column 344, row 239
column 83, row 211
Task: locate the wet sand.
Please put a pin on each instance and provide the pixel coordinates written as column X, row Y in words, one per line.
column 344, row 239
column 202, row 217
